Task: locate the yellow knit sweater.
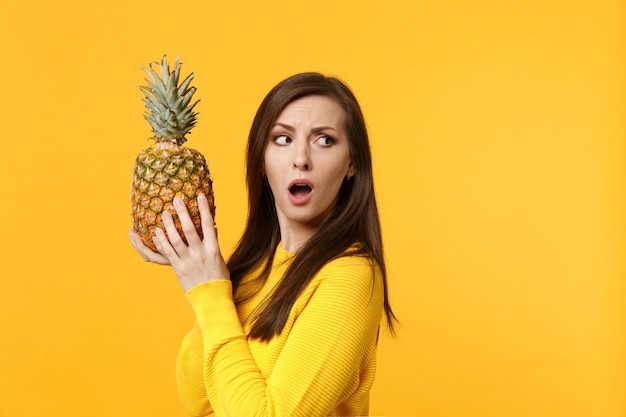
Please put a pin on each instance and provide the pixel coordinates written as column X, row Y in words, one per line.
column 323, row 362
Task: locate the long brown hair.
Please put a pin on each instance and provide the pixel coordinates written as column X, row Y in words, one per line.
column 352, row 228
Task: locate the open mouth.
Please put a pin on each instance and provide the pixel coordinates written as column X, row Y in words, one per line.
column 300, row 190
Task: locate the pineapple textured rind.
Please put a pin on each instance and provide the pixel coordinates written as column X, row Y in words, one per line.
column 159, row 176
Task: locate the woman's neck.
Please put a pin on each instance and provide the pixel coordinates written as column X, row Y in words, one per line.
column 293, row 239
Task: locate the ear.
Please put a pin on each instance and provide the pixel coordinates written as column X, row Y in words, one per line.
column 351, row 171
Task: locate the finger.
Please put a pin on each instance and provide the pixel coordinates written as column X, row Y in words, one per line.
column 164, row 247
column 209, row 229
column 189, row 229
column 145, row 252
column 175, row 240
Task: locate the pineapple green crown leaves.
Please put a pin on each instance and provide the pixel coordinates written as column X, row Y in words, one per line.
column 168, row 105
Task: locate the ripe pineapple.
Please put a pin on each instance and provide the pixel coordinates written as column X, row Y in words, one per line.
column 169, row 169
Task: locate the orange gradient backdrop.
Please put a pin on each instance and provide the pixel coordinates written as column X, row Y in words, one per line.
column 498, row 134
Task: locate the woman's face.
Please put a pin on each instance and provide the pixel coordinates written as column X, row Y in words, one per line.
column 306, row 160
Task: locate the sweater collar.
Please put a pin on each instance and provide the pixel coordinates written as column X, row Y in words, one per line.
column 282, row 254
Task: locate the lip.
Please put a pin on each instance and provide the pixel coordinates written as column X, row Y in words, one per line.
column 299, row 200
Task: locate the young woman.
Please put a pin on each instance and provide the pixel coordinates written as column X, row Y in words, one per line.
column 288, row 327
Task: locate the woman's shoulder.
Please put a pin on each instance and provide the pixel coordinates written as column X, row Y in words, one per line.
column 351, row 267
column 348, row 280
column 351, row 260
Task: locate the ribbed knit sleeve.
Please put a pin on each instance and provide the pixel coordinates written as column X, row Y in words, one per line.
column 190, row 375
column 324, row 352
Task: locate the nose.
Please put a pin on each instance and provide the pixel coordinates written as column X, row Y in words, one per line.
column 302, row 160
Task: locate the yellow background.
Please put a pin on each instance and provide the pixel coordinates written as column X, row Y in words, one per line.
column 498, row 134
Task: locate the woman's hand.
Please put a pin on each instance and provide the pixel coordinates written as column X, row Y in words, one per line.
column 198, row 261
column 146, row 253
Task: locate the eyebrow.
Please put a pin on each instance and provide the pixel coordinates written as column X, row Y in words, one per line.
column 315, row 129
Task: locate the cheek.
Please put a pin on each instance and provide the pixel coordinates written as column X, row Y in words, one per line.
column 337, row 177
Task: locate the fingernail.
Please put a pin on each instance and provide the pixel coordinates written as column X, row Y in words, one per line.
column 178, row 201
column 201, row 196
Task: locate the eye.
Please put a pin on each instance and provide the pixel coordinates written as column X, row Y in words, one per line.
column 282, row 140
column 325, row 140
